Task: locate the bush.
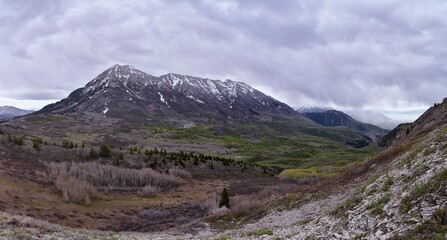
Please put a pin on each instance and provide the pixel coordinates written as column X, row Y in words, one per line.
column 153, row 214
column 439, row 217
column 110, row 176
column 93, row 154
column 264, row 231
column 275, row 190
column 211, row 203
column 105, row 152
column 179, row 173
column 36, row 146
column 243, row 203
column 149, row 191
column 75, row 190
column 18, row 141
column 119, row 159
column 387, row 184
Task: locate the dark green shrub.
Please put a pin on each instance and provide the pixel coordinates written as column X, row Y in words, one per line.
column 224, row 199
column 105, row 152
column 93, row 154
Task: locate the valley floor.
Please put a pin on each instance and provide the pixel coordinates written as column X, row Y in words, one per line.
column 403, row 195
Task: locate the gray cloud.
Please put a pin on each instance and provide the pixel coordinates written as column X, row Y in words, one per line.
column 347, row 53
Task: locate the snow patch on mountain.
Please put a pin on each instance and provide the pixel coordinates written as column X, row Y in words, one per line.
column 162, row 98
column 195, row 99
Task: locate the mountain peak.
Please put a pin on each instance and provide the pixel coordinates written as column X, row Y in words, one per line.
column 124, row 90
column 116, row 75
column 125, row 71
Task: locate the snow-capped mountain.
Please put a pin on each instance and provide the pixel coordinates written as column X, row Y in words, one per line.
column 311, row 109
column 8, row 112
column 128, row 93
column 374, row 117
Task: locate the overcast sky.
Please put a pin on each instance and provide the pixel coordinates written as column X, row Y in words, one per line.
column 382, row 55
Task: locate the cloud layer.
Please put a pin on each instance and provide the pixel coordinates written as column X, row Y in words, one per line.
column 383, row 54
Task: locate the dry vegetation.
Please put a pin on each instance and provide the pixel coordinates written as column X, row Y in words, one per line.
column 243, row 203
column 75, row 190
column 78, row 180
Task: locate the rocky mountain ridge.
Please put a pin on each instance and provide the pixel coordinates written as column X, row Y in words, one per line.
column 125, row 92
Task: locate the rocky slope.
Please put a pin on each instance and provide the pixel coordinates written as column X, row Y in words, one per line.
column 128, row 93
column 399, row 194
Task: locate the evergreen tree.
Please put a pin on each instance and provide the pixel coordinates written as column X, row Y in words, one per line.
column 105, row 152
column 93, row 154
column 119, row 159
column 181, row 162
column 36, row 146
column 196, row 161
column 224, row 199
column 18, row 141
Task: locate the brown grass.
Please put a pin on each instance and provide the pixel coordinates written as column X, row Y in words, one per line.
column 75, row 190
column 149, row 191
column 110, row 176
column 77, row 181
column 243, row 203
column 179, row 173
column 383, row 157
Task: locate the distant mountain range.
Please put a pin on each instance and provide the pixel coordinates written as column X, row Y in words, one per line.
column 375, row 118
column 8, row 112
column 333, row 118
column 366, row 116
